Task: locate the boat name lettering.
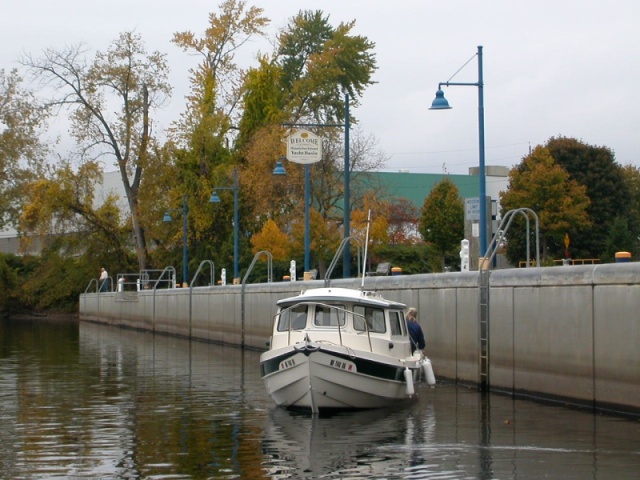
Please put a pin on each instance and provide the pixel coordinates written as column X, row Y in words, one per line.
column 341, row 365
column 287, row 364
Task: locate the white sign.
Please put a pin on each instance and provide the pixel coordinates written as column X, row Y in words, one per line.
column 472, row 208
column 304, row 147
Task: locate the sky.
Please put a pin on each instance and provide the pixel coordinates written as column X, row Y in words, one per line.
column 551, row 68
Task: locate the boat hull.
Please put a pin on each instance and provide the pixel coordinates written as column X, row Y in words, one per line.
column 318, row 377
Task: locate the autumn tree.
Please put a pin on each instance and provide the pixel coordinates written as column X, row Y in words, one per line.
column 64, row 209
column 324, row 238
column 403, row 222
column 442, row 220
column 321, row 63
column 595, row 168
column 560, row 202
column 22, row 153
column 204, row 136
column 370, row 223
column 111, row 102
column 305, row 80
column 273, row 240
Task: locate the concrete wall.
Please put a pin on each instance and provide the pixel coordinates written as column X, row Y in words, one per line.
column 570, row 333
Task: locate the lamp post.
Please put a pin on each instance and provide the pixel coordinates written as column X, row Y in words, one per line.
column 278, row 170
column 441, row 103
column 185, row 261
column 346, row 258
column 216, row 199
column 346, row 268
column 307, row 224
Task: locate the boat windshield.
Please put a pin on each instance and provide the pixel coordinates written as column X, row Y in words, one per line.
column 372, row 315
column 295, row 316
column 329, row 315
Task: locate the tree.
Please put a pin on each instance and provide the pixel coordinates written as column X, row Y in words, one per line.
column 596, row 169
column 632, row 179
column 320, row 63
column 22, row 154
column 8, row 286
column 620, row 239
column 325, row 238
column 64, row 212
column 272, row 239
column 111, row 101
column 560, row 202
column 313, row 66
column 203, row 156
column 442, row 219
column 216, row 83
column 403, row 222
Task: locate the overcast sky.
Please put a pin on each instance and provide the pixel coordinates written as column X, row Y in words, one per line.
column 562, row 67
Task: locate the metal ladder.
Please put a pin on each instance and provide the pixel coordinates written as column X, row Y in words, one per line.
column 483, row 286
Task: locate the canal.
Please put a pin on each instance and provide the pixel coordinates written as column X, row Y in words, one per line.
column 91, row 401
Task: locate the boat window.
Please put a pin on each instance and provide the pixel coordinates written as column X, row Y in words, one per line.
column 297, row 315
column 327, row 316
column 396, row 321
column 373, row 316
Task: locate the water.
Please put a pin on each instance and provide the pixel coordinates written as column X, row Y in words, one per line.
column 93, row 401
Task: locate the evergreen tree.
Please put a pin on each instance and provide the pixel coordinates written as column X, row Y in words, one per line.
column 559, row 202
column 442, row 220
column 596, row 169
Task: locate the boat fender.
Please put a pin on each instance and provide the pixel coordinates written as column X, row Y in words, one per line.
column 408, row 377
column 428, row 372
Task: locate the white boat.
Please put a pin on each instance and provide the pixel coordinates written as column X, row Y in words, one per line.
column 341, row 348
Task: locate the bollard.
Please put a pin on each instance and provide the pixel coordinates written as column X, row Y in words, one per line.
column 623, row 257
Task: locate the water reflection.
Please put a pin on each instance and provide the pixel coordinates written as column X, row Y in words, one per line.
column 346, row 444
column 454, row 433
column 100, row 402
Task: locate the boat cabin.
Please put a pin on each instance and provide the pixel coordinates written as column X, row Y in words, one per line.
column 357, row 319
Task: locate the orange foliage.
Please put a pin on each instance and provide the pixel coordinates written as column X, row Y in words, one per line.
column 273, row 240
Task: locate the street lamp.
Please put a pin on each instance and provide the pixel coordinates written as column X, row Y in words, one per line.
column 185, row 261
column 216, row 199
column 441, row 103
column 278, row 170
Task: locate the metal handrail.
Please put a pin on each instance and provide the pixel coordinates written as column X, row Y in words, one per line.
column 502, row 230
column 93, row 280
column 193, row 280
column 244, row 283
column 155, row 287
column 104, row 282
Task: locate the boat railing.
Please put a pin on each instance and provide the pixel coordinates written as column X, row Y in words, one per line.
column 338, row 254
column 334, row 307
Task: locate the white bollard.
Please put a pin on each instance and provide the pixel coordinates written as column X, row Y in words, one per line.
column 464, row 255
column 292, row 270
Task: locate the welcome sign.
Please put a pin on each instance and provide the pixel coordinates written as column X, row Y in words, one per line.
column 304, row 147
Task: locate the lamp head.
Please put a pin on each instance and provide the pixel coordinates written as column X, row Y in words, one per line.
column 214, row 198
column 167, row 217
column 279, row 169
column 440, row 103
